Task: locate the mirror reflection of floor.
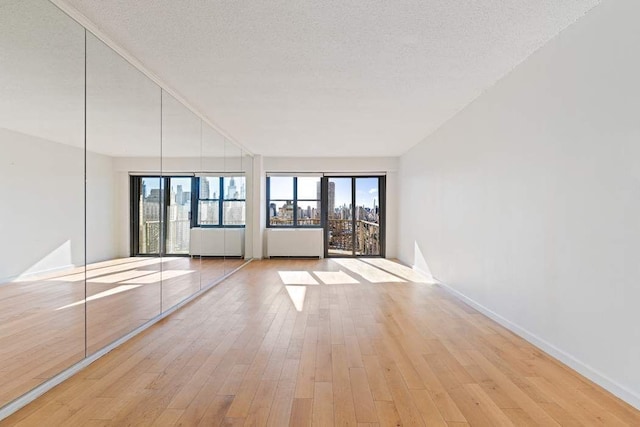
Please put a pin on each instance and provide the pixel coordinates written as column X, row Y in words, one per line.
column 42, row 318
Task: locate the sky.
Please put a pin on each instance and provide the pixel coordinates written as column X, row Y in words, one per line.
column 282, row 189
column 366, row 190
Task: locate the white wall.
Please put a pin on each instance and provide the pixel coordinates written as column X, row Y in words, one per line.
column 388, row 165
column 102, row 238
column 42, row 217
column 528, row 201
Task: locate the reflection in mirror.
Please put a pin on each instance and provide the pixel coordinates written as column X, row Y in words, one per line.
column 123, row 127
column 234, row 207
column 247, row 167
column 42, row 285
column 208, row 227
column 181, row 157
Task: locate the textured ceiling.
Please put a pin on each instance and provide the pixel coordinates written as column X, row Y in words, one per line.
column 333, row 77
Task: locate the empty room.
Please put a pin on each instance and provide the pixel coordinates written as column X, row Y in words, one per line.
column 303, row 213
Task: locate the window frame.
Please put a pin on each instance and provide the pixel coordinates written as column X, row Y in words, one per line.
column 294, row 201
column 221, row 199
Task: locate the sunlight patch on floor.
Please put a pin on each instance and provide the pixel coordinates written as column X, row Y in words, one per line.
column 116, row 290
column 297, row 278
column 109, row 270
column 119, row 277
column 399, row 270
column 335, row 278
column 368, row 272
column 158, row 277
column 297, row 295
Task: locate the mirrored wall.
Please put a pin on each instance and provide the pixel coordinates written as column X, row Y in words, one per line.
column 119, row 203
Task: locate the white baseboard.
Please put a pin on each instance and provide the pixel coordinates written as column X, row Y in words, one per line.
column 582, row 368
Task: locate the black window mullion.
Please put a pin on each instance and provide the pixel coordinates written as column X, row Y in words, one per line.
column 324, row 212
column 195, row 201
column 382, row 214
column 268, row 197
column 221, row 202
column 295, row 201
column 353, row 216
column 164, row 207
column 134, row 212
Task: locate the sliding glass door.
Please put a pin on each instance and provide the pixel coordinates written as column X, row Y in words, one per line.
column 156, row 199
column 147, row 222
column 354, row 219
column 178, row 214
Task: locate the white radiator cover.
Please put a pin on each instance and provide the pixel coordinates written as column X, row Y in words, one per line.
column 217, row 242
column 295, row 242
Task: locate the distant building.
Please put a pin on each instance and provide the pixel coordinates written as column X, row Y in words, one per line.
column 204, row 188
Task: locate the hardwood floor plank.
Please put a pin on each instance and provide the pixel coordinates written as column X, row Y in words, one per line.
column 344, row 410
column 377, row 354
column 488, row 406
column 377, row 381
column 322, row 405
column 281, row 406
column 428, row 409
column 169, row 417
column 307, row 372
column 214, row 415
column 362, row 397
column 261, row 405
column 387, row 413
column 301, row 412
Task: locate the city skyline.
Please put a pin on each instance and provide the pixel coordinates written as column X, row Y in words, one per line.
column 281, row 188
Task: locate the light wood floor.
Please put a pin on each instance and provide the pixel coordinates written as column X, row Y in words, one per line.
column 330, row 342
column 45, row 328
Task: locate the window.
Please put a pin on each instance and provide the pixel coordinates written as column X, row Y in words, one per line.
column 234, row 198
column 164, row 208
column 293, row 201
column 221, row 201
column 209, row 201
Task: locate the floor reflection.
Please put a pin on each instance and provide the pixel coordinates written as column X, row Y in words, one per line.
column 43, row 317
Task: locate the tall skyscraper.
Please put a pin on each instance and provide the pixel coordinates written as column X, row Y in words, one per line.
column 204, row 188
column 179, row 195
column 331, row 203
column 232, row 193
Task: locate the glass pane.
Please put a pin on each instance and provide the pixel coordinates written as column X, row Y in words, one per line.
column 367, row 212
column 233, row 213
column 309, row 188
column 280, row 213
column 42, row 151
column 234, row 187
column 208, row 212
column 211, row 239
column 340, row 217
column 210, row 187
column 181, row 152
column 151, row 201
column 308, row 213
column 179, row 215
column 123, row 122
column 281, row 188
